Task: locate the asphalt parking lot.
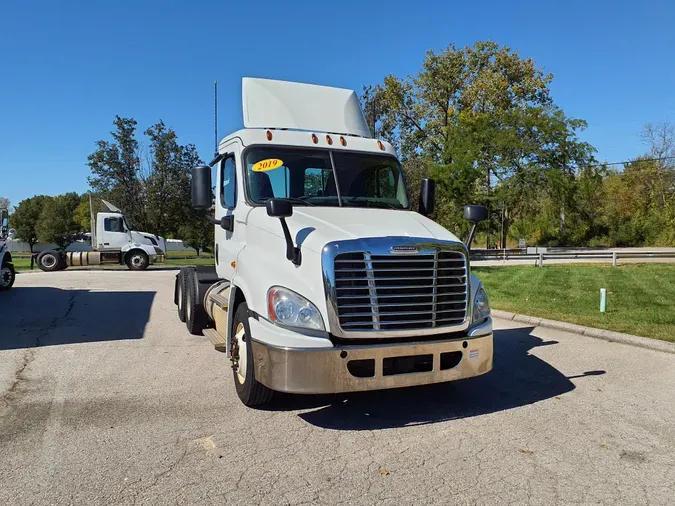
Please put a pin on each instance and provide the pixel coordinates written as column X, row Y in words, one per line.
column 106, row 399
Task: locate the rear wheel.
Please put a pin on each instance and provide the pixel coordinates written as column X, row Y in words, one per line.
column 181, row 292
column 196, row 318
column 50, row 260
column 137, row 260
column 250, row 391
column 7, row 276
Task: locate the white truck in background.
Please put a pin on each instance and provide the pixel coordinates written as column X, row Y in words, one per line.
column 112, row 242
column 7, row 273
column 325, row 279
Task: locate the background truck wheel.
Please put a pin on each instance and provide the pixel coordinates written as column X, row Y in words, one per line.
column 250, row 391
column 137, row 260
column 7, row 276
column 196, row 318
column 50, row 260
column 181, row 292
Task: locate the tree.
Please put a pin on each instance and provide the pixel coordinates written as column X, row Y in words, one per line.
column 197, row 233
column 116, row 167
column 57, row 223
column 4, row 203
column 168, row 182
column 481, row 121
column 26, row 218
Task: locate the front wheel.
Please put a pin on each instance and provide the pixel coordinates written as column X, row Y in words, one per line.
column 7, row 276
column 137, row 260
column 250, row 391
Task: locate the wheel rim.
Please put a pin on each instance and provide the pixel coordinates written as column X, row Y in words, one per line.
column 240, row 353
column 138, row 261
column 48, row 261
column 5, row 277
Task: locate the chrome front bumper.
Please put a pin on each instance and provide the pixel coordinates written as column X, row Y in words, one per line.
column 321, row 371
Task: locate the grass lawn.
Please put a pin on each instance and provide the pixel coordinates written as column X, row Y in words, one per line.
column 640, row 297
column 190, row 261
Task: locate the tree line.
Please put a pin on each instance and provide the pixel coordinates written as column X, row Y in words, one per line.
column 482, row 122
column 151, row 185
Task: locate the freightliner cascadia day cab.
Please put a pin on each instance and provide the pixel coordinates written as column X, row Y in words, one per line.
column 325, row 279
column 113, row 242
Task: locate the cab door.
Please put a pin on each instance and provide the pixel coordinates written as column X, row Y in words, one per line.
column 230, row 241
column 112, row 231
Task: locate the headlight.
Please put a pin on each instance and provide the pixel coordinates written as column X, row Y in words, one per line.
column 290, row 309
column 481, row 306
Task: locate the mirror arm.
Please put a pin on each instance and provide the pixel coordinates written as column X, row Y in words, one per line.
column 471, row 234
column 292, row 253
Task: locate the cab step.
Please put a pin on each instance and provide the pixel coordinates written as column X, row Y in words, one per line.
column 219, row 342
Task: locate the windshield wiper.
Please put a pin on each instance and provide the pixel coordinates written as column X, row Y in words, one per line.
column 371, row 203
column 291, row 199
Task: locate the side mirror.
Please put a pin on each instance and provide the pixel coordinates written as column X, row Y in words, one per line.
column 474, row 215
column 427, row 197
column 201, row 188
column 279, row 208
column 282, row 209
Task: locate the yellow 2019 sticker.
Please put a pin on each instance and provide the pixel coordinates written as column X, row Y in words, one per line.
column 269, row 164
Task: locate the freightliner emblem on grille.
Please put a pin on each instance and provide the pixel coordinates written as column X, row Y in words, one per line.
column 406, row 248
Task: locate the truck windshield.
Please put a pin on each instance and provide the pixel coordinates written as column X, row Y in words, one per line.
column 307, row 177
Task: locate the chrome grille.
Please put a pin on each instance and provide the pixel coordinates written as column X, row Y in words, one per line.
column 397, row 292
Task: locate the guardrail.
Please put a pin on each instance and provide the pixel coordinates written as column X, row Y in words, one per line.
column 613, row 256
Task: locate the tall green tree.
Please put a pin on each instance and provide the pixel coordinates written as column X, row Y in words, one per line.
column 4, row 203
column 168, row 182
column 57, row 223
column 116, row 171
column 476, row 118
column 26, row 218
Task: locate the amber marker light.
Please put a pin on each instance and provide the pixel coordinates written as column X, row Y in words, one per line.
column 269, row 135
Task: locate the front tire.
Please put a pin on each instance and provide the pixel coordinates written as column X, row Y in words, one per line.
column 250, row 391
column 50, row 261
column 7, row 276
column 137, row 260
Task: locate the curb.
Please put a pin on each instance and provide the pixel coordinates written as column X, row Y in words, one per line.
column 605, row 335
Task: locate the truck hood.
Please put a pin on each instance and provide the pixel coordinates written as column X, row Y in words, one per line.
column 313, row 227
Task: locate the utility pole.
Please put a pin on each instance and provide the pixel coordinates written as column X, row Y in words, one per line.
column 215, row 116
column 487, row 246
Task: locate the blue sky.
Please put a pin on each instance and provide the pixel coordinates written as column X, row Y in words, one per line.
column 66, row 68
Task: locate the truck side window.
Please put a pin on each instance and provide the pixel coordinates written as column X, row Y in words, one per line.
column 228, row 188
column 113, row 225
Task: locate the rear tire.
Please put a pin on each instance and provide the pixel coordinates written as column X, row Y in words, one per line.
column 7, row 276
column 50, row 261
column 137, row 260
column 181, row 292
column 196, row 319
column 250, row 391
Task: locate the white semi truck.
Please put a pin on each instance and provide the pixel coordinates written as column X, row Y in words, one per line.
column 7, row 273
column 325, row 279
column 112, row 242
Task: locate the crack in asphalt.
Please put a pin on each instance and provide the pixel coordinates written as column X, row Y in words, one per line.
column 29, row 355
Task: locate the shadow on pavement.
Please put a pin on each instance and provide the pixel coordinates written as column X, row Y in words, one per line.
column 45, row 316
column 517, row 379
